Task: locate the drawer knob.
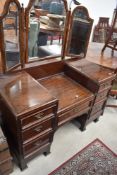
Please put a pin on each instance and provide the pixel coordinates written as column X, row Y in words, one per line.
column 38, row 143
column 76, row 110
column 76, row 96
column 110, row 73
column 38, row 129
column 38, row 116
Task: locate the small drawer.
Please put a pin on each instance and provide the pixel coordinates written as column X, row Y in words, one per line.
column 4, row 155
column 102, row 95
column 105, row 85
column 97, row 107
column 6, row 167
column 36, row 130
column 36, row 144
column 70, row 114
column 94, row 116
column 35, row 118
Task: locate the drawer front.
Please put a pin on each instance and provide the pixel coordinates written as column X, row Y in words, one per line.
column 94, row 116
column 6, row 167
column 102, row 95
column 35, row 118
column 36, row 144
column 97, row 107
column 36, row 130
column 4, row 155
column 66, row 116
column 105, row 85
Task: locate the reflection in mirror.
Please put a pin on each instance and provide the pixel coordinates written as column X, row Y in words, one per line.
column 80, row 32
column 45, row 29
column 11, row 36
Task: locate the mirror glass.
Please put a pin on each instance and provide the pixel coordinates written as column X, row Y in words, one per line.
column 11, row 36
column 80, row 32
column 46, row 28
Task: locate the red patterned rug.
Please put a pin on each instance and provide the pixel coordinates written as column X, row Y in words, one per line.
column 95, row 159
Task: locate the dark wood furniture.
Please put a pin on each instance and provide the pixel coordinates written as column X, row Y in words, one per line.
column 49, row 100
column 101, row 30
column 98, row 80
column 6, row 166
column 113, row 94
column 40, row 96
column 111, row 41
column 29, row 115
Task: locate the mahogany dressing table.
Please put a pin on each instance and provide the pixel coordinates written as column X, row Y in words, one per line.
column 38, row 95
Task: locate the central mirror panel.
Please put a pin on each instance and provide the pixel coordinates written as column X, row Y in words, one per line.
column 45, row 21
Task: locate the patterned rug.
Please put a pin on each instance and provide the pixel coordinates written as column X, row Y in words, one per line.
column 95, row 159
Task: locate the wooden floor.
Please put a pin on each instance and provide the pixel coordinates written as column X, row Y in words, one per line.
column 94, row 55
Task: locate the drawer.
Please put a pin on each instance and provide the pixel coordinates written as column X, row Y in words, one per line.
column 36, row 130
column 102, row 95
column 97, row 107
column 94, row 116
column 105, row 85
column 6, row 167
column 37, row 117
column 4, row 155
column 75, row 112
column 36, row 144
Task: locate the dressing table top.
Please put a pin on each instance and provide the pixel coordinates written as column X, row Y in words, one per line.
column 24, row 94
column 92, row 70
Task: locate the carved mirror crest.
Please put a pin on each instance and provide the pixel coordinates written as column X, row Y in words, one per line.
column 45, row 21
column 10, row 34
column 79, row 32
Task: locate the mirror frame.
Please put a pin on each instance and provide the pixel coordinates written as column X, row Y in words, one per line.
column 71, row 16
column 21, row 35
column 27, row 11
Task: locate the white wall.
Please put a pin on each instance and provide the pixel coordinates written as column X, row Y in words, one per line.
column 97, row 8
column 100, row 8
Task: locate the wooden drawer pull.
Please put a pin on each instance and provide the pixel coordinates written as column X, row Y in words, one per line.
column 111, row 73
column 38, row 129
column 39, row 116
column 76, row 110
column 38, row 143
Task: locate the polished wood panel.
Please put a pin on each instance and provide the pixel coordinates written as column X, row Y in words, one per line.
column 74, row 99
column 93, row 71
column 27, row 90
column 66, row 90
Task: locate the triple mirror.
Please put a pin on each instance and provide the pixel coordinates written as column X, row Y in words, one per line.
column 44, row 29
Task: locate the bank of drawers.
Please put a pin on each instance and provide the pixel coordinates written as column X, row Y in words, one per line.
column 37, row 130
column 6, row 166
column 100, row 100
